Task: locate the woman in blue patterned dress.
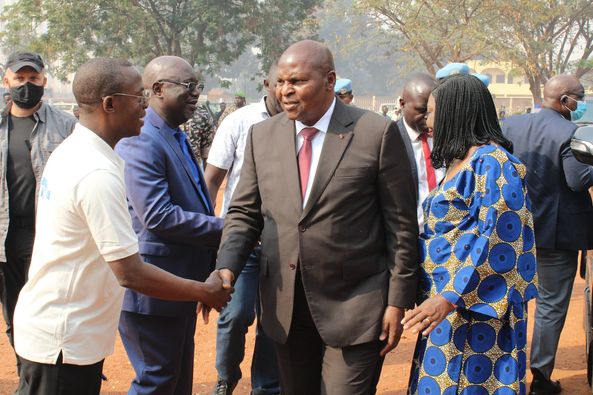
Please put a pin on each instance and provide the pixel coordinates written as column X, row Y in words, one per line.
column 478, row 268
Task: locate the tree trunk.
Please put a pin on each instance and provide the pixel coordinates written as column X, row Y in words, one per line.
column 535, row 86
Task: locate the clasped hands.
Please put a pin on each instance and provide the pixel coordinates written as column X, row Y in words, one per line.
column 428, row 315
column 218, row 289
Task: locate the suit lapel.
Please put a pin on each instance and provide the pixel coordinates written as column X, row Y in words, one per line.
column 167, row 135
column 336, row 141
column 286, row 143
column 410, row 151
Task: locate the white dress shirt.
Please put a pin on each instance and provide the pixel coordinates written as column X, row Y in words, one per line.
column 228, row 147
column 423, row 189
column 316, row 144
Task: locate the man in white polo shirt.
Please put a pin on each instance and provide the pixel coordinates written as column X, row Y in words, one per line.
column 85, row 248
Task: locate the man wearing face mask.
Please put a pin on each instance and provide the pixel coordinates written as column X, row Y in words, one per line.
column 562, row 213
column 29, row 132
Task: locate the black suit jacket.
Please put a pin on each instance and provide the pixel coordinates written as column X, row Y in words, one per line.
column 557, row 183
column 410, row 150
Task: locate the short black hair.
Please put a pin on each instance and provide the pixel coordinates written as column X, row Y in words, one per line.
column 98, row 78
column 465, row 116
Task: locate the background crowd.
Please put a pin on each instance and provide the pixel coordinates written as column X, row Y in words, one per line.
column 339, row 229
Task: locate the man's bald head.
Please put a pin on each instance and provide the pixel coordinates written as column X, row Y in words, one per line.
column 306, row 80
column 418, row 84
column 98, row 78
column 164, row 68
column 173, row 84
column 561, row 93
column 414, row 99
column 313, row 52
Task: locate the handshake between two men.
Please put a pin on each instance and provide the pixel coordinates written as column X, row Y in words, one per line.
column 218, row 290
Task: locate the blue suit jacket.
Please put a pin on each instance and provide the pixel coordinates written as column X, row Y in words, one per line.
column 176, row 231
column 557, row 183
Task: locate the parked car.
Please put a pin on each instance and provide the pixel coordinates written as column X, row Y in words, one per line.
column 582, row 148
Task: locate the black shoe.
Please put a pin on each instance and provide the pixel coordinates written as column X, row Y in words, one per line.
column 541, row 386
column 224, row 387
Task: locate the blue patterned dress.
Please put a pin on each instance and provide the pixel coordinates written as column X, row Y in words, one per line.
column 477, row 250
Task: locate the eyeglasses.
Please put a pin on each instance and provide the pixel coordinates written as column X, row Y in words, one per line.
column 190, row 86
column 143, row 99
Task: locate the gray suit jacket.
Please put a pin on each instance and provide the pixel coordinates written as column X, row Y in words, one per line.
column 355, row 242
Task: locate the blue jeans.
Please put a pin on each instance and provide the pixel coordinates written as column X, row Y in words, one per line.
column 233, row 324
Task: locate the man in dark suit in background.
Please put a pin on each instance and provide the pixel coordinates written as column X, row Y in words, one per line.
column 562, row 213
column 416, row 137
column 177, row 230
column 337, row 226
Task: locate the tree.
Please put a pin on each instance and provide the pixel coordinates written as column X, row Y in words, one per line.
column 370, row 57
column 546, row 38
column 437, row 31
column 207, row 33
column 541, row 37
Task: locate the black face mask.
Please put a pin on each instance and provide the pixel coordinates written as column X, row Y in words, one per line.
column 27, row 95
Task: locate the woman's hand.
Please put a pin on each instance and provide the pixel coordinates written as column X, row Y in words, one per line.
column 428, row 315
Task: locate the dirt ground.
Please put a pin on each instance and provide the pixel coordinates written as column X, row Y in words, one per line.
column 570, row 363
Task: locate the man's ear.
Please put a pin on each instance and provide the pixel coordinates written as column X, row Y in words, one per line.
column 157, row 89
column 331, row 79
column 108, row 105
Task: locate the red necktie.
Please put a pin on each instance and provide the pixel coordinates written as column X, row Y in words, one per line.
column 432, row 180
column 305, row 154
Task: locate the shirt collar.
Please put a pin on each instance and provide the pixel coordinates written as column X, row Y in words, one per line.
column 322, row 125
column 155, row 120
column 414, row 135
column 263, row 108
column 40, row 115
column 98, row 142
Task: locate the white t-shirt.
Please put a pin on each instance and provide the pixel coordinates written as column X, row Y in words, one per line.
column 228, row 148
column 423, row 190
column 72, row 301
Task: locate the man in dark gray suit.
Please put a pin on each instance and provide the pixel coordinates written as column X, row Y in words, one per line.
column 562, row 213
column 338, row 230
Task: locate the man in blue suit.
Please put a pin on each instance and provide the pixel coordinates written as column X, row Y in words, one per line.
column 177, row 230
column 562, row 213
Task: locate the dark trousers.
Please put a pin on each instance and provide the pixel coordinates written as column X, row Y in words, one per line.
column 309, row 366
column 59, row 379
column 233, row 323
column 161, row 350
column 556, row 270
column 13, row 272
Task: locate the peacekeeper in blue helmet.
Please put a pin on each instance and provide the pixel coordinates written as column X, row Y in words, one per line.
column 343, row 90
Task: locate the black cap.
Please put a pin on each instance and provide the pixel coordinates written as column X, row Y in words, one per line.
column 20, row 59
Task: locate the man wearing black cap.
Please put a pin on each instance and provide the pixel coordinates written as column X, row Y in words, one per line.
column 29, row 131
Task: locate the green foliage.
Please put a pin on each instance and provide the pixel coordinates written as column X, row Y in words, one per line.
column 207, row 33
column 540, row 37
